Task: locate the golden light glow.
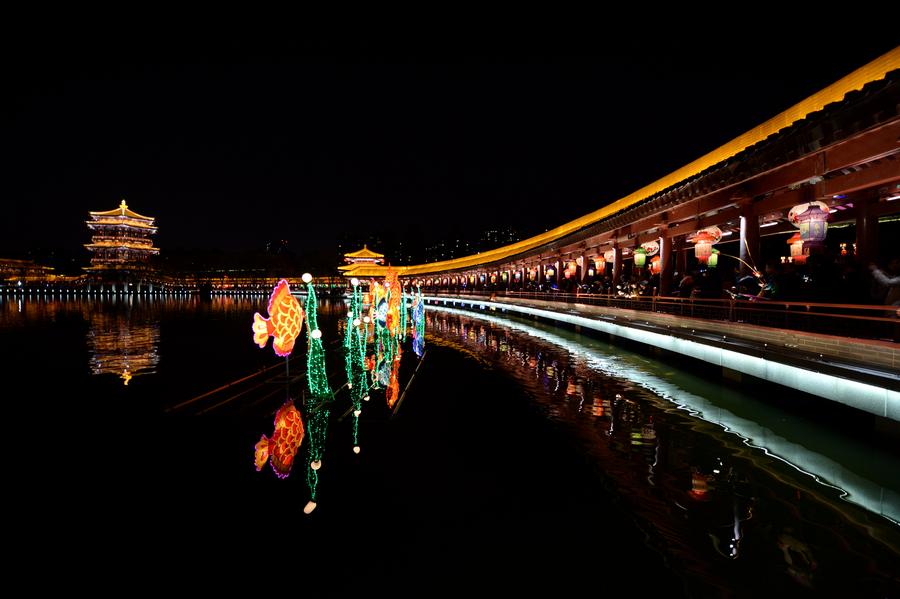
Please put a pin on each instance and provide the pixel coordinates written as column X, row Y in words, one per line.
column 835, row 92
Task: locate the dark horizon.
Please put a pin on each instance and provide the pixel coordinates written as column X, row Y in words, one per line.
column 231, row 145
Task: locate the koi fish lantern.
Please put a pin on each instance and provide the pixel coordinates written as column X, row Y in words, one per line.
column 281, row 449
column 655, row 265
column 703, row 241
column 395, row 294
column 284, row 323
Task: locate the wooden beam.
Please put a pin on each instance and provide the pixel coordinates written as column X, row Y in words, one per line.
column 882, row 173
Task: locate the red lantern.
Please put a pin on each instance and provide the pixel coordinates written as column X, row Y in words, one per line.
column 655, row 265
column 796, row 243
column 703, row 246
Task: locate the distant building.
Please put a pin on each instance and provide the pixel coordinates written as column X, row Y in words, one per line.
column 19, row 272
column 363, row 263
column 121, row 239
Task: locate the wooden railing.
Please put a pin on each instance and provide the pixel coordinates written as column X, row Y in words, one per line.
column 850, row 320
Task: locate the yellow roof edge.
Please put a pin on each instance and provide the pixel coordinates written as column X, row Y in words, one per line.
column 873, row 71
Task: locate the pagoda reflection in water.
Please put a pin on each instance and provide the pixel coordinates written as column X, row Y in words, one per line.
column 118, row 345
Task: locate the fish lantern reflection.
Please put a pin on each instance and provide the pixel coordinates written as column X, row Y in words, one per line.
column 640, row 257
column 811, row 220
column 281, row 449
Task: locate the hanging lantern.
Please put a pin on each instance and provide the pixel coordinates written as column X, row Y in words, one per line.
column 550, row 271
column 713, row 258
column 493, row 279
column 811, row 220
column 796, row 243
column 601, row 265
column 651, row 247
column 655, row 265
column 504, row 276
column 609, row 255
column 703, row 241
column 813, row 224
column 640, row 257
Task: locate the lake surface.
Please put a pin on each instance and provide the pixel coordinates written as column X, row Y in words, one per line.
column 522, row 455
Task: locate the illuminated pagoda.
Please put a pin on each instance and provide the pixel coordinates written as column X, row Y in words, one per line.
column 121, row 239
column 363, row 263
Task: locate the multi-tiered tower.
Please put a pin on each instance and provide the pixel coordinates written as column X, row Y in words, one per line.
column 121, row 239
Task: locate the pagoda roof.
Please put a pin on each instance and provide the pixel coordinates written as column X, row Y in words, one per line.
column 122, row 210
column 366, row 269
column 365, row 252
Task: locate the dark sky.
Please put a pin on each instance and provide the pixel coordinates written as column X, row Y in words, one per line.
column 236, row 139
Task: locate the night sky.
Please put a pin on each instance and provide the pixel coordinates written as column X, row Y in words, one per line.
column 234, row 140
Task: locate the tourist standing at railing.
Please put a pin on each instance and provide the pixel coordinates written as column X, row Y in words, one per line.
column 890, row 279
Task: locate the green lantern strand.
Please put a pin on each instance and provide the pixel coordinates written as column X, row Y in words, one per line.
column 403, row 315
column 320, row 394
column 355, row 362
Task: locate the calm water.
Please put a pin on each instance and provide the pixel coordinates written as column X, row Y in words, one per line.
column 518, row 443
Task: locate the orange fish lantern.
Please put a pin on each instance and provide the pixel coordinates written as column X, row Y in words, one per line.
column 281, row 449
column 284, row 323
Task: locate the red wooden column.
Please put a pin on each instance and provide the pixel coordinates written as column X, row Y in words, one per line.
column 750, row 252
column 668, row 265
column 866, row 231
column 617, row 267
column 678, row 245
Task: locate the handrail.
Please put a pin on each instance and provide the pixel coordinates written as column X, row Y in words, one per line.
column 864, row 321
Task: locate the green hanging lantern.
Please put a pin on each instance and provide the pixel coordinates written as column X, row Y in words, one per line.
column 640, row 257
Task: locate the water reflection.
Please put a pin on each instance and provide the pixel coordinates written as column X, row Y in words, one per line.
column 703, row 478
column 123, row 345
